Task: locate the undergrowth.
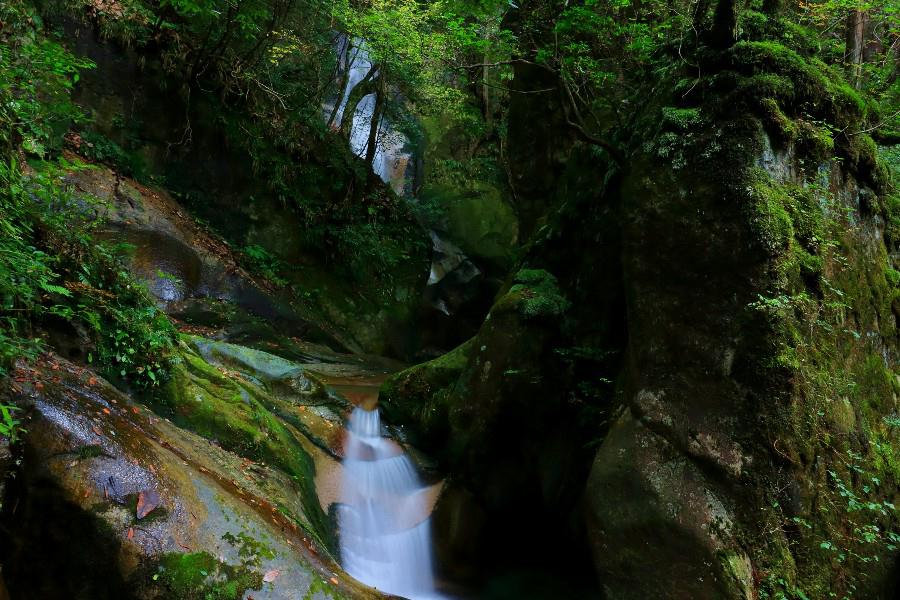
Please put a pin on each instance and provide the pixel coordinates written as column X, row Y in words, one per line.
column 51, row 268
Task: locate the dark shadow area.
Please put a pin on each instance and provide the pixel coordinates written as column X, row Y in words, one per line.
column 53, row 549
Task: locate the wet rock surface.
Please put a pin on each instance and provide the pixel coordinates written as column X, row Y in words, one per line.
column 155, row 506
column 183, row 264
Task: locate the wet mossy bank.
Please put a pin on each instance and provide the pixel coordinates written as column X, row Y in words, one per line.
column 716, row 363
column 228, row 497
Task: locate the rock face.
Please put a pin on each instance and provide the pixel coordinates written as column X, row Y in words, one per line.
column 180, row 262
column 161, row 512
column 731, row 440
column 723, row 347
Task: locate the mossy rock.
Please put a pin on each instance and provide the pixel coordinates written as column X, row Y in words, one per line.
column 478, row 220
column 420, row 396
column 199, row 576
column 241, row 415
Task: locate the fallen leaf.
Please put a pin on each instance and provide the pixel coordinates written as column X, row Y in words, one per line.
column 106, row 411
column 97, row 431
column 333, row 580
column 270, row 576
column 130, row 533
column 147, row 501
column 92, row 381
column 135, row 410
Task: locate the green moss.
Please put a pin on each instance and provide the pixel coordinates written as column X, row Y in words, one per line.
column 778, row 122
column 769, row 216
column 251, row 550
column 199, row 576
column 806, row 100
column 682, row 118
column 235, row 412
column 535, row 294
column 420, row 393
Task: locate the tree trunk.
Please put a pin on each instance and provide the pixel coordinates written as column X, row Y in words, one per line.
column 374, row 126
column 360, row 91
column 855, row 43
column 342, row 87
column 724, row 25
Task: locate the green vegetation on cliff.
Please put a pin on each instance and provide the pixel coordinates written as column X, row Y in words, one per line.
column 51, row 269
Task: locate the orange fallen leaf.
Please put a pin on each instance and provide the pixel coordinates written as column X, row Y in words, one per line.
column 148, row 500
column 333, row 580
column 92, row 381
column 106, row 411
column 130, row 532
column 270, row 576
column 135, row 410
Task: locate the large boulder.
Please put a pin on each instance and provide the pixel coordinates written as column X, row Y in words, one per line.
column 117, row 502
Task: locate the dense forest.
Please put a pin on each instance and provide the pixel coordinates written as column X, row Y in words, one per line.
column 449, row 299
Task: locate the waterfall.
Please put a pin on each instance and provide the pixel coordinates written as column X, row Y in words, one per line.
column 391, row 158
column 385, row 537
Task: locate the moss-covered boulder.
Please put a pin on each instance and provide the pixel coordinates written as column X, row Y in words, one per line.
column 261, row 407
column 117, row 502
column 757, row 311
column 494, row 417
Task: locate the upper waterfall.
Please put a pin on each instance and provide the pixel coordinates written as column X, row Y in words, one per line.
column 392, row 159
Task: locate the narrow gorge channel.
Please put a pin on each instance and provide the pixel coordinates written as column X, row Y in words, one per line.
column 443, row 300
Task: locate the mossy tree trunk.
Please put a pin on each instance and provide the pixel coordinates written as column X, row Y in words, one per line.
column 855, row 39
column 377, row 115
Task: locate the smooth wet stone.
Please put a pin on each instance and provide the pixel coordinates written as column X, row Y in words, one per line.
column 107, row 457
column 177, row 259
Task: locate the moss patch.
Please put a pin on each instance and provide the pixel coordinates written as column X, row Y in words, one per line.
column 199, row 576
column 237, row 414
column 534, row 294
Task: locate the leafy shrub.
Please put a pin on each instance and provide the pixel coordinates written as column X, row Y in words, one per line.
column 49, row 263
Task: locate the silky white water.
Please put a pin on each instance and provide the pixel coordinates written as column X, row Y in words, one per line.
column 385, row 536
column 391, row 157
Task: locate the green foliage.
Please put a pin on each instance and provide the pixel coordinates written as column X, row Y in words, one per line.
column 50, row 266
column 41, row 73
column 538, row 294
column 263, row 262
column 10, row 427
column 97, row 147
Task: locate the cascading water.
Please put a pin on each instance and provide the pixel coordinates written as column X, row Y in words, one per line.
column 391, row 157
column 392, row 162
column 385, row 536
